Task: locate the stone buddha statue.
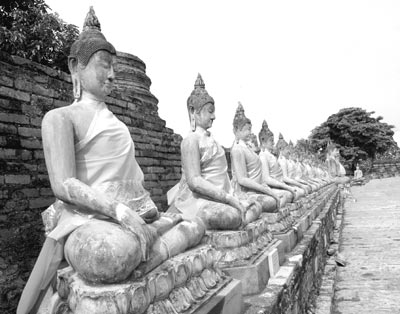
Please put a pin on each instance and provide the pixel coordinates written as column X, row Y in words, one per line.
column 335, row 168
column 103, row 223
column 205, row 190
column 271, row 169
column 358, row 174
column 247, row 174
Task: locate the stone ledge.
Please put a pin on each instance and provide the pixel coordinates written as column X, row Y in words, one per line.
column 297, row 280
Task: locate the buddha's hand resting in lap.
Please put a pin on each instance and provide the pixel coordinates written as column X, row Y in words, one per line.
column 241, row 205
column 130, row 220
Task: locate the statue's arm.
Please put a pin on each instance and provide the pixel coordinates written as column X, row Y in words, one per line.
column 265, row 168
column 191, row 166
column 239, row 166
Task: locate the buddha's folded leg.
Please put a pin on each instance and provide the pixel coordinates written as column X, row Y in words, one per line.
column 220, row 216
column 103, row 252
column 286, row 196
column 268, row 203
column 178, row 239
column 166, row 221
column 299, row 193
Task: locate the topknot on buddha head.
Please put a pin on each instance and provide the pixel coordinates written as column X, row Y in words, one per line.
column 199, row 96
column 265, row 134
column 240, row 119
column 90, row 40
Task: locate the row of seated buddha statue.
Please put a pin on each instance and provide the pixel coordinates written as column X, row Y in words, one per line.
column 108, row 249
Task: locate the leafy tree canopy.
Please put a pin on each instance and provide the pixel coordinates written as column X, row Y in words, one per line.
column 358, row 134
column 29, row 31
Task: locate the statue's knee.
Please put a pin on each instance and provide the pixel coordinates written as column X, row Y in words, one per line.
column 102, row 252
column 220, row 216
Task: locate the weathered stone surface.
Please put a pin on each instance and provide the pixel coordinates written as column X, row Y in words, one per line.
column 370, row 243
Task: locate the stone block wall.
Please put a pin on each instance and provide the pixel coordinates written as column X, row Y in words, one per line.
column 384, row 169
column 297, row 283
column 27, row 91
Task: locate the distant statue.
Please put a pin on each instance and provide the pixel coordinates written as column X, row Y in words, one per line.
column 205, row 190
column 358, row 178
column 335, row 168
column 271, row 169
column 247, row 174
column 358, row 174
column 103, row 222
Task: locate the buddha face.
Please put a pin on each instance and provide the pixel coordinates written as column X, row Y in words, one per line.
column 205, row 116
column 244, row 132
column 98, row 76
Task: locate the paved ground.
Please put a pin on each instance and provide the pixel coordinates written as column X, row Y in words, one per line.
column 370, row 282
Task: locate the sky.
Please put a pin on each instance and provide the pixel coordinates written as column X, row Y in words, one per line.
column 293, row 63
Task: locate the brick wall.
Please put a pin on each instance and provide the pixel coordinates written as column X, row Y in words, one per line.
column 27, row 91
column 384, row 169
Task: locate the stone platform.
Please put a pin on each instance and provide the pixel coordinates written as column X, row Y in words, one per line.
column 254, row 275
column 186, row 283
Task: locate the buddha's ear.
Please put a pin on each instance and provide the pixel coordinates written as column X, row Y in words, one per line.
column 72, row 65
column 73, row 68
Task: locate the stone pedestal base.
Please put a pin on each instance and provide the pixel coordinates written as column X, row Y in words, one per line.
column 228, row 300
column 288, row 238
column 255, row 274
column 182, row 284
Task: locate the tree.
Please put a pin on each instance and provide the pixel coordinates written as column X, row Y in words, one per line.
column 29, row 31
column 357, row 133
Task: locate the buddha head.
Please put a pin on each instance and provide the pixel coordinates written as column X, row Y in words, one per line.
column 331, row 150
column 266, row 137
column 200, row 106
column 91, row 61
column 241, row 125
column 283, row 147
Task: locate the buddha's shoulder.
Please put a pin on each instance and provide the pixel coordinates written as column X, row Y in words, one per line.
column 58, row 115
column 190, row 140
column 237, row 148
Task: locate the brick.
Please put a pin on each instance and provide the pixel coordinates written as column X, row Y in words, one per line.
column 31, row 143
column 60, row 103
column 5, row 80
column 41, row 79
column 3, row 141
column 40, row 202
column 14, row 118
column 24, row 154
column 38, row 154
column 29, row 132
column 46, row 192
column 7, row 129
column 41, row 90
column 36, row 121
column 17, row 179
column 7, row 153
column 9, row 92
column 23, row 84
column 1, row 179
column 30, row 192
